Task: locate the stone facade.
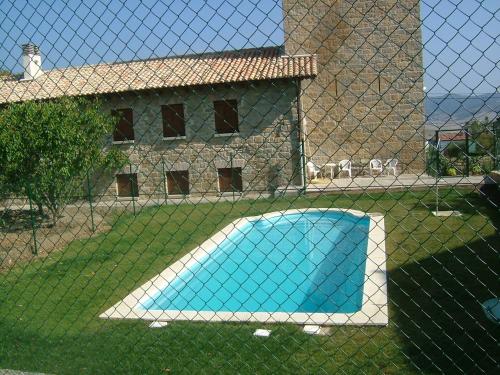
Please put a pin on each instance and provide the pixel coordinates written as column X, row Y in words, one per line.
column 367, row 100
column 267, row 140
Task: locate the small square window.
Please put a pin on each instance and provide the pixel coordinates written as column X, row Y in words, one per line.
column 226, row 116
column 173, row 120
column 124, row 130
column 178, row 182
column 126, row 185
column 230, row 180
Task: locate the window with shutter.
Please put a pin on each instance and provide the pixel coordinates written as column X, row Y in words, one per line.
column 126, row 185
column 230, row 180
column 124, row 130
column 226, row 116
column 173, row 120
column 178, row 182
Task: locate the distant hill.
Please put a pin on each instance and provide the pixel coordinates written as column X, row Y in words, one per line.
column 455, row 109
column 452, row 111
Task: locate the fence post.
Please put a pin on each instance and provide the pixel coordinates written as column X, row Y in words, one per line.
column 304, row 167
column 232, row 173
column 33, row 222
column 165, row 191
column 438, row 156
column 467, row 161
column 496, row 138
column 132, row 192
column 89, row 191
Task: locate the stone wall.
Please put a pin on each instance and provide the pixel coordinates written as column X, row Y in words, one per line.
column 267, row 141
column 367, row 101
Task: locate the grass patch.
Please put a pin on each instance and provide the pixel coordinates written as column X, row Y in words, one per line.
column 440, row 269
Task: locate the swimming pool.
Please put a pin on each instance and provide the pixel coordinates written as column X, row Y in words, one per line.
column 322, row 266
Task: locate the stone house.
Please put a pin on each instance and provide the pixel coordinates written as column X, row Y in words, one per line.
column 347, row 84
column 209, row 139
column 205, row 124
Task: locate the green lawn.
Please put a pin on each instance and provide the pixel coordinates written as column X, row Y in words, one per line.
column 439, row 271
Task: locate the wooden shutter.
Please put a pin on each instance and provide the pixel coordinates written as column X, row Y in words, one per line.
column 230, row 180
column 127, row 185
column 173, row 120
column 226, row 116
column 178, row 182
column 124, row 130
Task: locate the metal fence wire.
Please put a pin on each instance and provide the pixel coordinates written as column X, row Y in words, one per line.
column 249, row 186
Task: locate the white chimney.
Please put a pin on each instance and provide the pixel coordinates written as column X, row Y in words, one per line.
column 32, row 61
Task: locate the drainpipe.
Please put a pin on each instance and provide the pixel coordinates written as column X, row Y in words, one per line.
column 300, row 117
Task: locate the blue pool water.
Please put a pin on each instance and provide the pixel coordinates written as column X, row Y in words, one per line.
column 301, row 262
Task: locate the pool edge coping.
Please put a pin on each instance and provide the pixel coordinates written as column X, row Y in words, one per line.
column 374, row 310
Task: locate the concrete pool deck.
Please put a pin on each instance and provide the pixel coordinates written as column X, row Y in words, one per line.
column 385, row 183
column 374, row 309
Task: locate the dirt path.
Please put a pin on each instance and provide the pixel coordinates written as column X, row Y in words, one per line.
column 17, row 242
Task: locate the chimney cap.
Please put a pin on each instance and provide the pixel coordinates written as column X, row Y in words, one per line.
column 30, row 49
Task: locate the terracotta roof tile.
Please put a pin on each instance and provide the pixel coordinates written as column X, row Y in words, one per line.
column 455, row 136
column 205, row 69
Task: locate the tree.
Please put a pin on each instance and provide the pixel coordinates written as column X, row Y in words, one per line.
column 47, row 148
column 8, row 75
column 482, row 136
column 5, row 73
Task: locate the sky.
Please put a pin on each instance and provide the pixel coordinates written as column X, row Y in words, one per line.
column 461, row 45
column 461, row 37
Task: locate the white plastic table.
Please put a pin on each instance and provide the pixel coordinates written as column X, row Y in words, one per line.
column 332, row 167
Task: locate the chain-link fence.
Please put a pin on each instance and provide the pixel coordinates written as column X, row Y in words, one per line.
column 249, row 186
column 463, row 151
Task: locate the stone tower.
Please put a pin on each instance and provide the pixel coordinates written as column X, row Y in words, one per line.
column 367, row 100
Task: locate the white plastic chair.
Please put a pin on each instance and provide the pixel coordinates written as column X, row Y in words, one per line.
column 376, row 166
column 345, row 166
column 312, row 170
column 391, row 164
